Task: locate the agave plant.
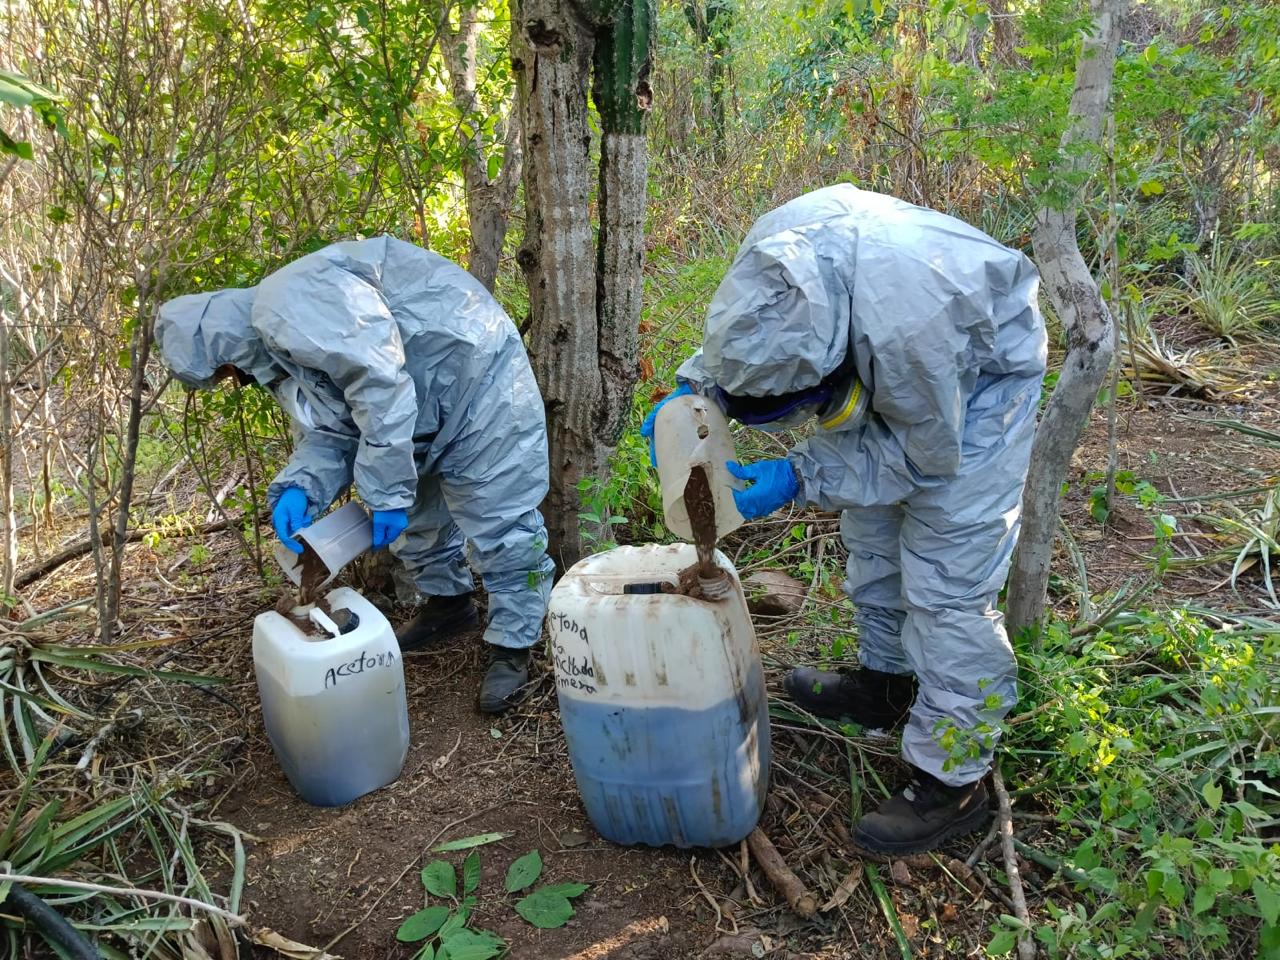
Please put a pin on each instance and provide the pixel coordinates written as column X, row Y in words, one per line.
column 113, row 857
column 1226, row 294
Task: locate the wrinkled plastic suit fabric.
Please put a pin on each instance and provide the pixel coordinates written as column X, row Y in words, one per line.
column 946, row 334
column 403, row 375
column 202, row 331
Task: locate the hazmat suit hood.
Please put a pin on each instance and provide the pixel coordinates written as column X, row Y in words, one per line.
column 200, row 332
column 779, row 321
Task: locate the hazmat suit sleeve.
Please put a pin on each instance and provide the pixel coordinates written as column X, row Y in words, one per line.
column 322, row 466
column 320, row 315
column 694, row 372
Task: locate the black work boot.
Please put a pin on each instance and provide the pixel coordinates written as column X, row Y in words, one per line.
column 923, row 815
column 879, row 701
column 438, row 618
column 503, row 683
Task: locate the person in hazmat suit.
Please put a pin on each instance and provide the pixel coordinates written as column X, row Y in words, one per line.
column 402, row 374
column 916, row 342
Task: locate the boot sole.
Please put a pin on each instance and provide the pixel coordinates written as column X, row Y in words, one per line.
column 971, row 823
column 491, row 706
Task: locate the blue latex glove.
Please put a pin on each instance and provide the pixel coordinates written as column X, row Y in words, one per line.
column 646, row 428
column 773, row 484
column 387, row 526
column 290, row 516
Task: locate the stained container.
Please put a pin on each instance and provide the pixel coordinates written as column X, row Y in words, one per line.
column 333, row 699
column 662, row 699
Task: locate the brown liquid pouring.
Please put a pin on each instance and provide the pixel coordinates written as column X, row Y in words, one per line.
column 705, row 579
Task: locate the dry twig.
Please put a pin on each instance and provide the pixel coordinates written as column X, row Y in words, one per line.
column 1026, row 949
column 780, row 876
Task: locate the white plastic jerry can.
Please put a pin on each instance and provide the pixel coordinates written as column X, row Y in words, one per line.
column 333, row 702
column 662, row 699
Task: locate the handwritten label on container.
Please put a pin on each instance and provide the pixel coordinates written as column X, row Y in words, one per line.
column 572, row 673
column 357, row 666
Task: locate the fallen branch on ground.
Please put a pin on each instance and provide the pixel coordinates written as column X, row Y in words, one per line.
column 843, row 892
column 780, row 876
column 80, row 548
column 1026, row 949
column 1073, row 874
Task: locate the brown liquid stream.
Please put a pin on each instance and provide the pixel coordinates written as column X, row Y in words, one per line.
column 704, row 578
column 314, row 573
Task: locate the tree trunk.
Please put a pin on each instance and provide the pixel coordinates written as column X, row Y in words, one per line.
column 1084, row 315
column 1003, row 33
column 623, row 97
column 584, row 301
column 710, row 24
column 488, row 199
column 551, row 55
column 139, row 353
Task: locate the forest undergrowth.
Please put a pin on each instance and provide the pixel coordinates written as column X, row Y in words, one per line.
column 1140, row 764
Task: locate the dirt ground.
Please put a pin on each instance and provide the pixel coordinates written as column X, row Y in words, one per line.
column 317, row 873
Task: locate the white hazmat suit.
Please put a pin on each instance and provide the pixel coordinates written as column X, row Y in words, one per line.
column 942, row 326
column 403, row 374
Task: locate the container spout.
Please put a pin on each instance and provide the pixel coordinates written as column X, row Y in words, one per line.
column 324, row 621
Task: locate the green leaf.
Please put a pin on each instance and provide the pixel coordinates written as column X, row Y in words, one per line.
column 37, row 836
column 473, row 945
column 20, row 148
column 1001, row 943
column 428, row 952
column 1268, row 901
column 544, row 910
column 494, row 166
column 466, row 843
column 440, row 879
column 21, row 92
column 1151, row 188
column 47, row 655
column 566, row 890
column 1203, row 900
column 471, row 873
column 455, row 923
column 524, row 872
column 1104, row 878
column 1174, row 890
column 1212, row 793
column 422, row 924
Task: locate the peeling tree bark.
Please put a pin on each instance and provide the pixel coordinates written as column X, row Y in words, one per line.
column 1085, row 316
column 488, row 199
column 584, row 298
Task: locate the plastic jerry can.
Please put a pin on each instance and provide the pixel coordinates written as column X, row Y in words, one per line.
column 662, row 699
column 333, row 697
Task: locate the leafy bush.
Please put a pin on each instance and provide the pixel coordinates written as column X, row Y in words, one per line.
column 1154, row 743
